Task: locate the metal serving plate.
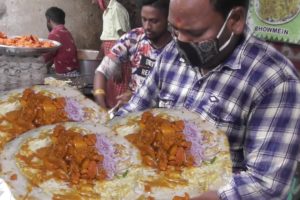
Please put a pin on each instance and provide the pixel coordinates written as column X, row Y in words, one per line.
column 28, row 51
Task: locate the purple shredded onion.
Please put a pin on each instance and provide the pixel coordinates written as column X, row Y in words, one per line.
column 193, row 135
column 74, row 110
column 105, row 148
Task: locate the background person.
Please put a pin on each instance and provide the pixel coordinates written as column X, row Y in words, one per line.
column 237, row 82
column 140, row 46
column 65, row 58
column 116, row 22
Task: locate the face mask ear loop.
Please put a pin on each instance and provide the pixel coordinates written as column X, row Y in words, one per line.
column 223, row 26
column 226, row 43
column 221, row 31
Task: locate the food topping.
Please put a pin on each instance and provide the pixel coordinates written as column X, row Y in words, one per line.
column 162, row 143
column 193, row 135
column 74, row 110
column 31, row 41
column 105, row 147
column 186, row 197
column 2, row 35
column 70, row 157
column 36, row 110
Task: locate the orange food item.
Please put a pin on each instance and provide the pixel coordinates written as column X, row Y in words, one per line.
column 14, row 177
column 186, row 197
column 162, row 143
column 71, row 157
column 31, row 41
column 36, row 110
column 3, row 35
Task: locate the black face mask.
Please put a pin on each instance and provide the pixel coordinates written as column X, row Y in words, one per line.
column 200, row 53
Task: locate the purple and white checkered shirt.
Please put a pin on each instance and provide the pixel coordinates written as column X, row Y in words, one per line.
column 254, row 95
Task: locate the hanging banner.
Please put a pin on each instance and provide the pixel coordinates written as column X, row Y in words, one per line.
column 275, row 20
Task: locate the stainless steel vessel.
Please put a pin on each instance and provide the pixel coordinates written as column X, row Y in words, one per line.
column 28, row 51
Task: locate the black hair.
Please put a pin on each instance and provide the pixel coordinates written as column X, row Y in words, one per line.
column 224, row 6
column 56, row 14
column 163, row 5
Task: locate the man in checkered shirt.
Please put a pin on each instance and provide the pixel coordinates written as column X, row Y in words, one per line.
column 239, row 83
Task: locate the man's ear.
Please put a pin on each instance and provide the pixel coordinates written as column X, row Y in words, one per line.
column 237, row 20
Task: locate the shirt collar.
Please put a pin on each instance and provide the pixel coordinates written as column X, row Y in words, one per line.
column 58, row 27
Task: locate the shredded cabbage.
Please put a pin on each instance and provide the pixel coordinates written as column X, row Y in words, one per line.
column 193, row 135
column 105, row 148
column 74, row 110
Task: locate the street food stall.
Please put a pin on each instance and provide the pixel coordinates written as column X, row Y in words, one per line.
column 55, row 143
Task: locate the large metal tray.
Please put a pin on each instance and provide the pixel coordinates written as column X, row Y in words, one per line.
column 28, row 51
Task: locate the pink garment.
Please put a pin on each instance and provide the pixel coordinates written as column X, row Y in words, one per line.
column 65, row 58
column 102, row 4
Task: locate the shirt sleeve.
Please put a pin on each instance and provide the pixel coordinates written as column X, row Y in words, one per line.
column 124, row 47
column 271, row 146
column 109, row 67
column 121, row 20
column 119, row 53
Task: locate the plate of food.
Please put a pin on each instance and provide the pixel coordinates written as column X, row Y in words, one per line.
column 70, row 161
column 182, row 155
column 28, row 108
column 27, row 45
column 159, row 155
column 276, row 11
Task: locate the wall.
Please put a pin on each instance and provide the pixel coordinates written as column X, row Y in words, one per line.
column 23, row 17
column 133, row 9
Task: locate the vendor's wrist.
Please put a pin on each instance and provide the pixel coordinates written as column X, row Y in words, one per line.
column 99, row 92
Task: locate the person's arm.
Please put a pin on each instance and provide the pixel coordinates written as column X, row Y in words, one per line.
column 107, row 69
column 110, row 67
column 49, row 57
column 99, row 89
column 124, row 97
column 271, row 146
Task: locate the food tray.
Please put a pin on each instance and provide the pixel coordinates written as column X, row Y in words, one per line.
column 28, row 51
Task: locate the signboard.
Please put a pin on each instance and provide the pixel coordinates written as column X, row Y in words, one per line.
column 275, row 20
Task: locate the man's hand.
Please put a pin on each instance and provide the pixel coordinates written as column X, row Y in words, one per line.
column 124, row 98
column 210, row 195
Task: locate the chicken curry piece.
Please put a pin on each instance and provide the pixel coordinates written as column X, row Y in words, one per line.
column 70, row 157
column 162, row 143
column 36, row 110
